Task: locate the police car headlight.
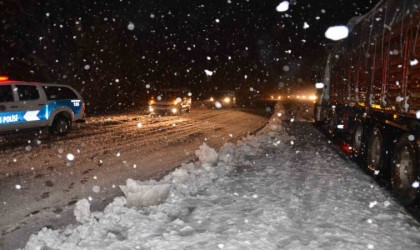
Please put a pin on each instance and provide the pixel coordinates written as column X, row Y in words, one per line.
column 174, row 110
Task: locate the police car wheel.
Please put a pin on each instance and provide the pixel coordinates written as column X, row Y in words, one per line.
column 60, row 126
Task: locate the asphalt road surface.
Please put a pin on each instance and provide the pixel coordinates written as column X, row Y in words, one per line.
column 41, row 179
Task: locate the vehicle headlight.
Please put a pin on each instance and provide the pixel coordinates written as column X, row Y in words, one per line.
column 175, row 102
column 227, row 99
column 211, row 99
column 152, row 101
column 151, row 109
column 312, row 97
column 174, row 110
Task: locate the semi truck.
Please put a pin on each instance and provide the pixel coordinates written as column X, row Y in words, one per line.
column 370, row 94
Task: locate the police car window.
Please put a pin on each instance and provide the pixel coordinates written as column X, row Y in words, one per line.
column 59, row 93
column 6, row 94
column 27, row 92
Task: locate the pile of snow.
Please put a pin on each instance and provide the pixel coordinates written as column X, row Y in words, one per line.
column 263, row 192
column 206, row 154
column 144, row 194
column 82, row 211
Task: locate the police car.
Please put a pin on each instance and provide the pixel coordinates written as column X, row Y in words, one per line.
column 29, row 105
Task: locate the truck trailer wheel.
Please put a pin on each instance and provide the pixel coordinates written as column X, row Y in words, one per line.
column 61, row 125
column 376, row 152
column 357, row 138
column 405, row 172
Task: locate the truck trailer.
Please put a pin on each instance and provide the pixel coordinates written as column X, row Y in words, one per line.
column 370, row 93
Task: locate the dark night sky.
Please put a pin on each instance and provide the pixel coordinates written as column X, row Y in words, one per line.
column 88, row 44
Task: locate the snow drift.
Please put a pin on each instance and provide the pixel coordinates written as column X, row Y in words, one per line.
column 262, row 193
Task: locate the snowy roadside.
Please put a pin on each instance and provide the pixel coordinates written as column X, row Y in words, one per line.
column 271, row 190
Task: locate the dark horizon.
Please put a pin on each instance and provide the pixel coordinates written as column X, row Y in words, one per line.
column 120, row 49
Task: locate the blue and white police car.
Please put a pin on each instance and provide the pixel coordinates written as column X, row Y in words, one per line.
column 29, row 105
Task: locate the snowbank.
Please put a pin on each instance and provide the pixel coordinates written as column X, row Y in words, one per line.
column 261, row 193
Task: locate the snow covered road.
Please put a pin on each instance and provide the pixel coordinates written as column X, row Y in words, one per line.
column 40, row 181
column 285, row 188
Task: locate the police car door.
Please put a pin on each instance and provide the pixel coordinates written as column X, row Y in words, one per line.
column 8, row 117
column 29, row 104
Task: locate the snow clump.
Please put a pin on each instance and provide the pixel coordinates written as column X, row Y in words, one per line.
column 82, row 211
column 144, row 194
column 206, row 154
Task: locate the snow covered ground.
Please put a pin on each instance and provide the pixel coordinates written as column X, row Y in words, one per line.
column 285, row 187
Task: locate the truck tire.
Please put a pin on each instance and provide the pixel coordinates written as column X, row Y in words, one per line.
column 405, row 172
column 357, row 138
column 376, row 152
column 61, row 125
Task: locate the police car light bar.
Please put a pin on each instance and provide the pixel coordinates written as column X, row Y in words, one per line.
column 4, row 78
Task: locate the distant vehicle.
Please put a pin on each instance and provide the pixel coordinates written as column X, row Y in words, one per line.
column 170, row 102
column 29, row 105
column 371, row 94
column 222, row 99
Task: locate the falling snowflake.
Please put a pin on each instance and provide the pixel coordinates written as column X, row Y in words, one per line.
column 208, row 72
column 87, row 67
column 414, row 62
column 139, row 125
column 305, row 25
column 283, row 6
column 70, row 157
column 411, row 138
column 18, row 186
column 372, row 204
column 218, row 105
column 130, row 26
column 415, row 184
column 96, row 189
column 336, row 33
